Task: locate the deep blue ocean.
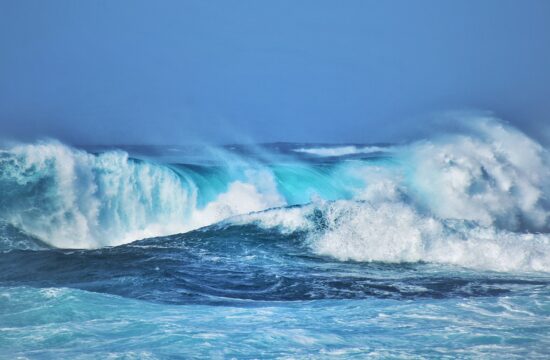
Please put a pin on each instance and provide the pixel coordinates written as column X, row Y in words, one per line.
column 437, row 249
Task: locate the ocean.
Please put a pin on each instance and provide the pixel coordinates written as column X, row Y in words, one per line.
column 432, row 249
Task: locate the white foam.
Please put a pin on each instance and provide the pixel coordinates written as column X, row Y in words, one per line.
column 72, row 199
column 478, row 199
column 258, row 193
column 395, row 232
column 341, row 150
column 494, row 175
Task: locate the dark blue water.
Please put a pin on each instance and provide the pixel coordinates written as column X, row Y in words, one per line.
column 239, row 265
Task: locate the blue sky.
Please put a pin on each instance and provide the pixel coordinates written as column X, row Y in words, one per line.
column 169, row 72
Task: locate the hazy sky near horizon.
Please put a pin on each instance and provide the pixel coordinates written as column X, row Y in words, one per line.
column 168, row 72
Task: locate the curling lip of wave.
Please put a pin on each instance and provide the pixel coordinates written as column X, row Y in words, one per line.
column 72, row 199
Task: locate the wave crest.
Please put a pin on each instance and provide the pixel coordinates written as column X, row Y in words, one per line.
column 494, row 175
column 396, row 232
column 73, row 199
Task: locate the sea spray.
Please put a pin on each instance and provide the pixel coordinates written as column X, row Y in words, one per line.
column 477, row 198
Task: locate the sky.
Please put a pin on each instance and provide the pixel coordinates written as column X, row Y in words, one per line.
column 174, row 72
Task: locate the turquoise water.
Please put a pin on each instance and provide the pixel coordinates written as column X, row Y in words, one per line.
column 65, row 323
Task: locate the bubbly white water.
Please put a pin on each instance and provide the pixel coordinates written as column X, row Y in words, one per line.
column 396, row 232
column 342, row 150
column 494, row 175
column 72, row 199
column 477, row 199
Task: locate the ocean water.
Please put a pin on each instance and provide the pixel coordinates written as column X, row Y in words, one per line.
column 438, row 249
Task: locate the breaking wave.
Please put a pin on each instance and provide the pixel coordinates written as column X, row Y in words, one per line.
column 476, row 198
column 396, row 232
column 73, row 199
column 335, row 151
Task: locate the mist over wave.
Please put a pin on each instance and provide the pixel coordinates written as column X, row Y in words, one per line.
column 73, row 199
column 475, row 198
column 342, row 150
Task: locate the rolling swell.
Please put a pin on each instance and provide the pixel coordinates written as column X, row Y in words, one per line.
column 242, row 265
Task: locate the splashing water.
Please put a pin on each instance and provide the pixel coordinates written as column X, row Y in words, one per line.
column 435, row 249
column 435, row 200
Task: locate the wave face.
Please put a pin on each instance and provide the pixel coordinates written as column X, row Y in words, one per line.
column 438, row 200
column 73, row 199
column 69, row 198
